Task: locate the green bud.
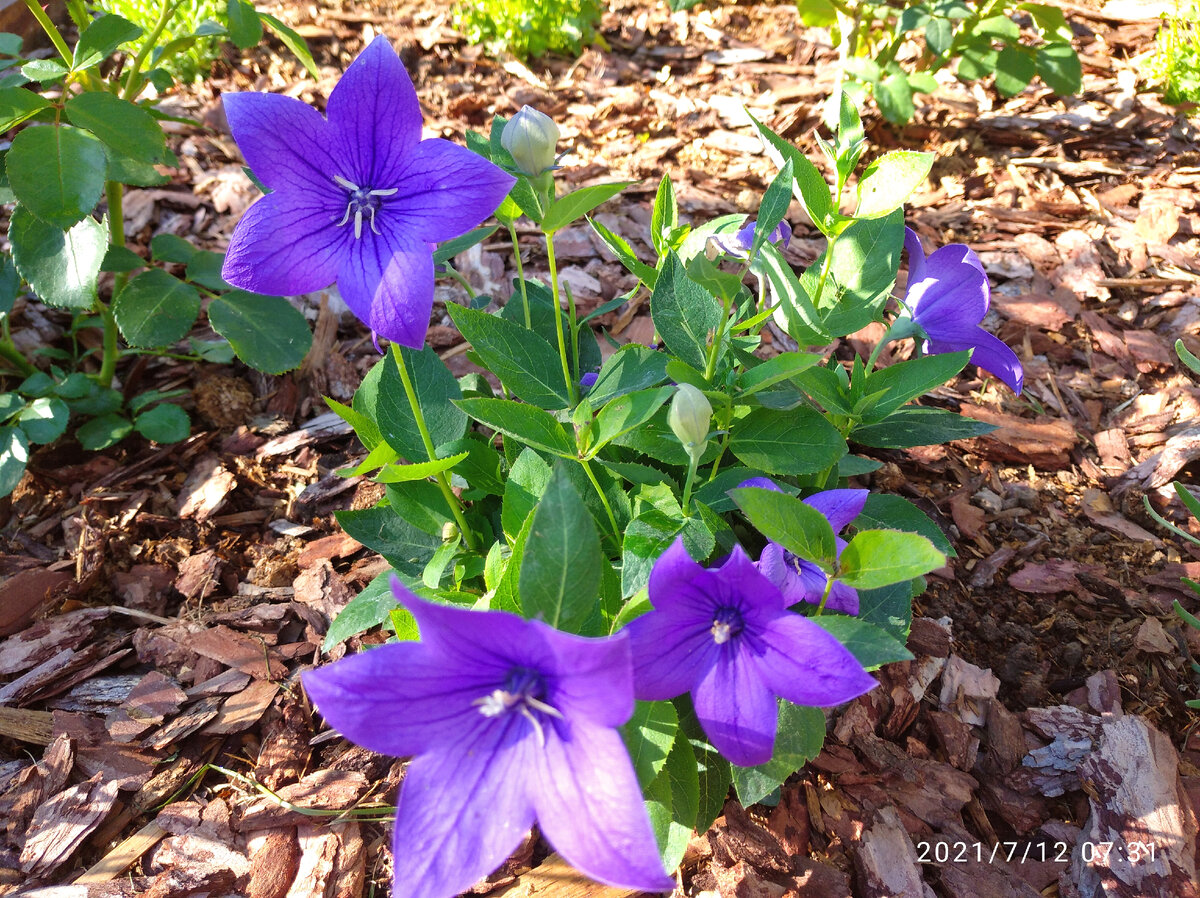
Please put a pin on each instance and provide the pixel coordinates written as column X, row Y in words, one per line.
column 531, row 137
column 689, row 418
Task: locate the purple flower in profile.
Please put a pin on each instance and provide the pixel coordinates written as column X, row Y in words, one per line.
column 726, row 636
column 948, row 295
column 799, row 579
column 356, row 196
column 740, row 244
column 509, row 722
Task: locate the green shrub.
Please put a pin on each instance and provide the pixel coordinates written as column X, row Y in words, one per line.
column 1176, row 62
column 194, row 62
column 528, row 27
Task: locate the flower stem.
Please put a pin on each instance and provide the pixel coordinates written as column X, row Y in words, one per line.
column 12, row 356
column 693, row 463
column 572, row 393
column 458, row 278
column 512, row 233
column 612, row 519
column 423, row 428
column 826, row 265
column 133, row 86
column 108, row 363
column 727, row 422
column 825, row 595
column 52, row 32
column 710, row 365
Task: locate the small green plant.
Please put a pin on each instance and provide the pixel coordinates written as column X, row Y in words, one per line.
column 205, row 20
column 529, row 27
column 1176, row 61
column 983, row 38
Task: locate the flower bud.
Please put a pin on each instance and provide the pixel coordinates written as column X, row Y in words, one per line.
column 689, row 418
column 531, row 137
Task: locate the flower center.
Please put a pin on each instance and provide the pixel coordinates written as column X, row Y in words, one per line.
column 362, row 200
column 523, row 691
column 727, row 623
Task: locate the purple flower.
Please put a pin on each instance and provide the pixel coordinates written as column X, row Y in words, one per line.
column 589, row 380
column 725, row 634
column 948, row 295
column 801, row 580
column 740, row 244
column 357, row 197
column 509, row 722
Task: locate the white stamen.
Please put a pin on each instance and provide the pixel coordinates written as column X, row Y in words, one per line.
column 495, row 704
column 346, row 217
column 349, row 185
column 721, row 631
column 358, row 222
column 537, row 726
column 539, row 705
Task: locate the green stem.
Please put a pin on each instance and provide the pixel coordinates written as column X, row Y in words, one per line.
column 114, row 195
column 573, row 325
column 10, row 354
column 727, row 423
column 456, row 275
column 825, row 266
column 442, row 480
column 512, row 233
column 108, row 363
column 693, row 463
column 825, row 595
column 612, row 519
column 572, row 393
column 133, row 86
column 710, row 365
column 56, row 38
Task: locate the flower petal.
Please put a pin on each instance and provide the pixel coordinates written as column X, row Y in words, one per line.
column 445, row 190
column 916, row 256
column 743, row 586
column 285, row 245
column 807, row 666
column 676, row 582
column 284, row 141
column 592, row 678
column 843, row 598
column 374, row 117
column 387, row 281
column 989, row 353
column 589, row 807
column 462, row 813
column 399, row 699
column 736, row 708
column 840, row 507
column 953, row 292
column 671, row 653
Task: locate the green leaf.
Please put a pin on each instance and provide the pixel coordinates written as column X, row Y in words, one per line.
column 245, row 28
column 405, row 473
column 798, row 740
column 57, row 172
column 625, row 254
column 1050, row 20
column 526, row 423
column 101, row 37
column 673, row 800
column 367, row 610
column 121, row 259
column 774, row 206
column 527, row 481
column 14, row 455
column 18, row 104
column 480, row 467
column 918, row 426
column 877, row 558
column 169, row 247
column 632, row 367
column 889, row 607
column 685, row 314
column 977, row 62
column 561, row 568
column 811, row 188
column 44, row 420
column 579, row 203
column 204, row 268
column 715, row 779
column 889, row 181
column 894, row 96
column 61, row 267
column 649, row 735
column 10, row 283
column 127, row 128
column 451, row 248
column 800, row 317
column 817, row 13
column 784, row 366
column 870, row 645
column 910, row 379
column 888, row 512
column 665, row 216
column 1015, row 68
column 164, row 423
column 624, row 413
column 293, row 41
column 865, row 261
column 156, row 309
column 799, row 441
column 104, row 431
column 10, row 44
column 525, row 363
column 43, row 70
column 783, row 519
column 1059, row 66
column 406, row 547
column 436, row 390
column 267, row 332
column 1187, row 357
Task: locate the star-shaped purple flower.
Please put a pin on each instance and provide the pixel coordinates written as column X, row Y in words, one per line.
column 356, row 197
column 726, row 636
column 509, row 722
column 948, row 295
column 799, row 579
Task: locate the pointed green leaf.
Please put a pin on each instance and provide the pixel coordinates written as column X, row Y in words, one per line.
column 57, row 172
column 685, row 314
column 525, row 423
column 61, row 267
column 525, row 363
column 156, row 309
column 783, row 519
column 877, row 558
column 579, row 203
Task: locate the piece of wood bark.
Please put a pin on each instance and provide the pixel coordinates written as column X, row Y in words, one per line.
column 63, row 821
column 886, row 860
column 123, row 856
column 554, row 876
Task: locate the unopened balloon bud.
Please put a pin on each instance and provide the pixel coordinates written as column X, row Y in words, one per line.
column 689, row 418
column 531, row 137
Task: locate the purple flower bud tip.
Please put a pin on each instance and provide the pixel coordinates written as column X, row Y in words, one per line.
column 509, row 722
column 356, row 196
column 740, row 244
column 725, row 635
column 948, row 295
column 589, row 380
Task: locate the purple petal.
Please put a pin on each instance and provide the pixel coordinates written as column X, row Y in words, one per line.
column 374, row 117
column 842, row 598
column 989, row 353
column 589, row 807
column 812, row 581
column 763, row 483
column 671, row 652
column 772, row 564
column 807, row 666
column 593, row 678
column 736, row 708
column 284, row 245
column 953, row 292
column 387, row 281
column 840, row 507
column 745, row 587
column 398, row 699
column 674, row 581
column 462, row 813
column 445, row 190
column 916, row 256
column 284, row 141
